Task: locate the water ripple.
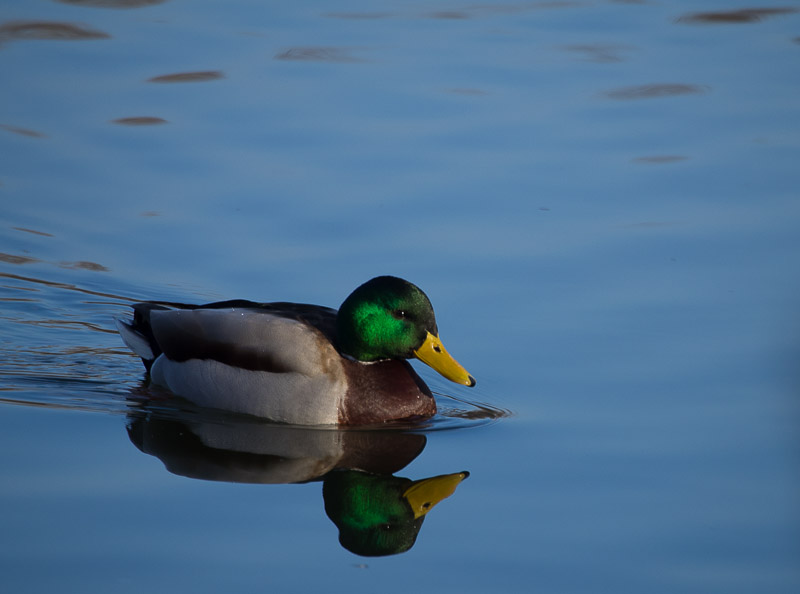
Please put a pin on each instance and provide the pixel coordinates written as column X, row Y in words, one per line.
column 185, row 77
column 741, row 16
column 652, row 91
column 112, row 3
column 48, row 31
column 139, row 121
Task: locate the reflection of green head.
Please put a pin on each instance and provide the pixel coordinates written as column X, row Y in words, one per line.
column 381, row 515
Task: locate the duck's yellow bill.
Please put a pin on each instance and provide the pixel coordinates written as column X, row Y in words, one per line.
column 432, row 353
column 423, row 495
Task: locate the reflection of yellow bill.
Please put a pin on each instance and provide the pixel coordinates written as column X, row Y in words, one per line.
column 432, row 353
column 424, row 494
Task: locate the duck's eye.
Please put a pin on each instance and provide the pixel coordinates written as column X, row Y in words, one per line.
column 400, row 314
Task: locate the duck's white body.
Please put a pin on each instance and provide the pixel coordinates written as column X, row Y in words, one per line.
column 302, row 382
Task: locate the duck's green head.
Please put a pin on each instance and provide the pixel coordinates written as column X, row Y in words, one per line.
column 389, row 318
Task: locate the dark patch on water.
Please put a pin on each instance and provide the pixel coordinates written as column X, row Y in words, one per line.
column 112, row 3
column 598, row 52
column 14, row 259
column 22, row 131
column 84, row 265
column 139, row 121
column 737, row 17
column 48, row 31
column 33, row 231
column 183, row 77
column 317, row 54
column 654, row 91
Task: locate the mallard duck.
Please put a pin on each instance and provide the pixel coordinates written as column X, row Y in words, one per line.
column 298, row 363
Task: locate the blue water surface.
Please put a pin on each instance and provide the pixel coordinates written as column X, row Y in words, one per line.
column 600, row 199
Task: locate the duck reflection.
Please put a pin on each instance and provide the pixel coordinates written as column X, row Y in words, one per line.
column 379, row 514
column 375, row 512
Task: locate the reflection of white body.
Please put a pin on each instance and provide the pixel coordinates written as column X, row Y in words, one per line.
column 300, row 455
column 250, row 451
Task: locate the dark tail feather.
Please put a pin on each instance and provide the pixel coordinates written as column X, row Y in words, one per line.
column 138, row 334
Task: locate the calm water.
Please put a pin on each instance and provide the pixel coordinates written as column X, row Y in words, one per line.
column 601, row 200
